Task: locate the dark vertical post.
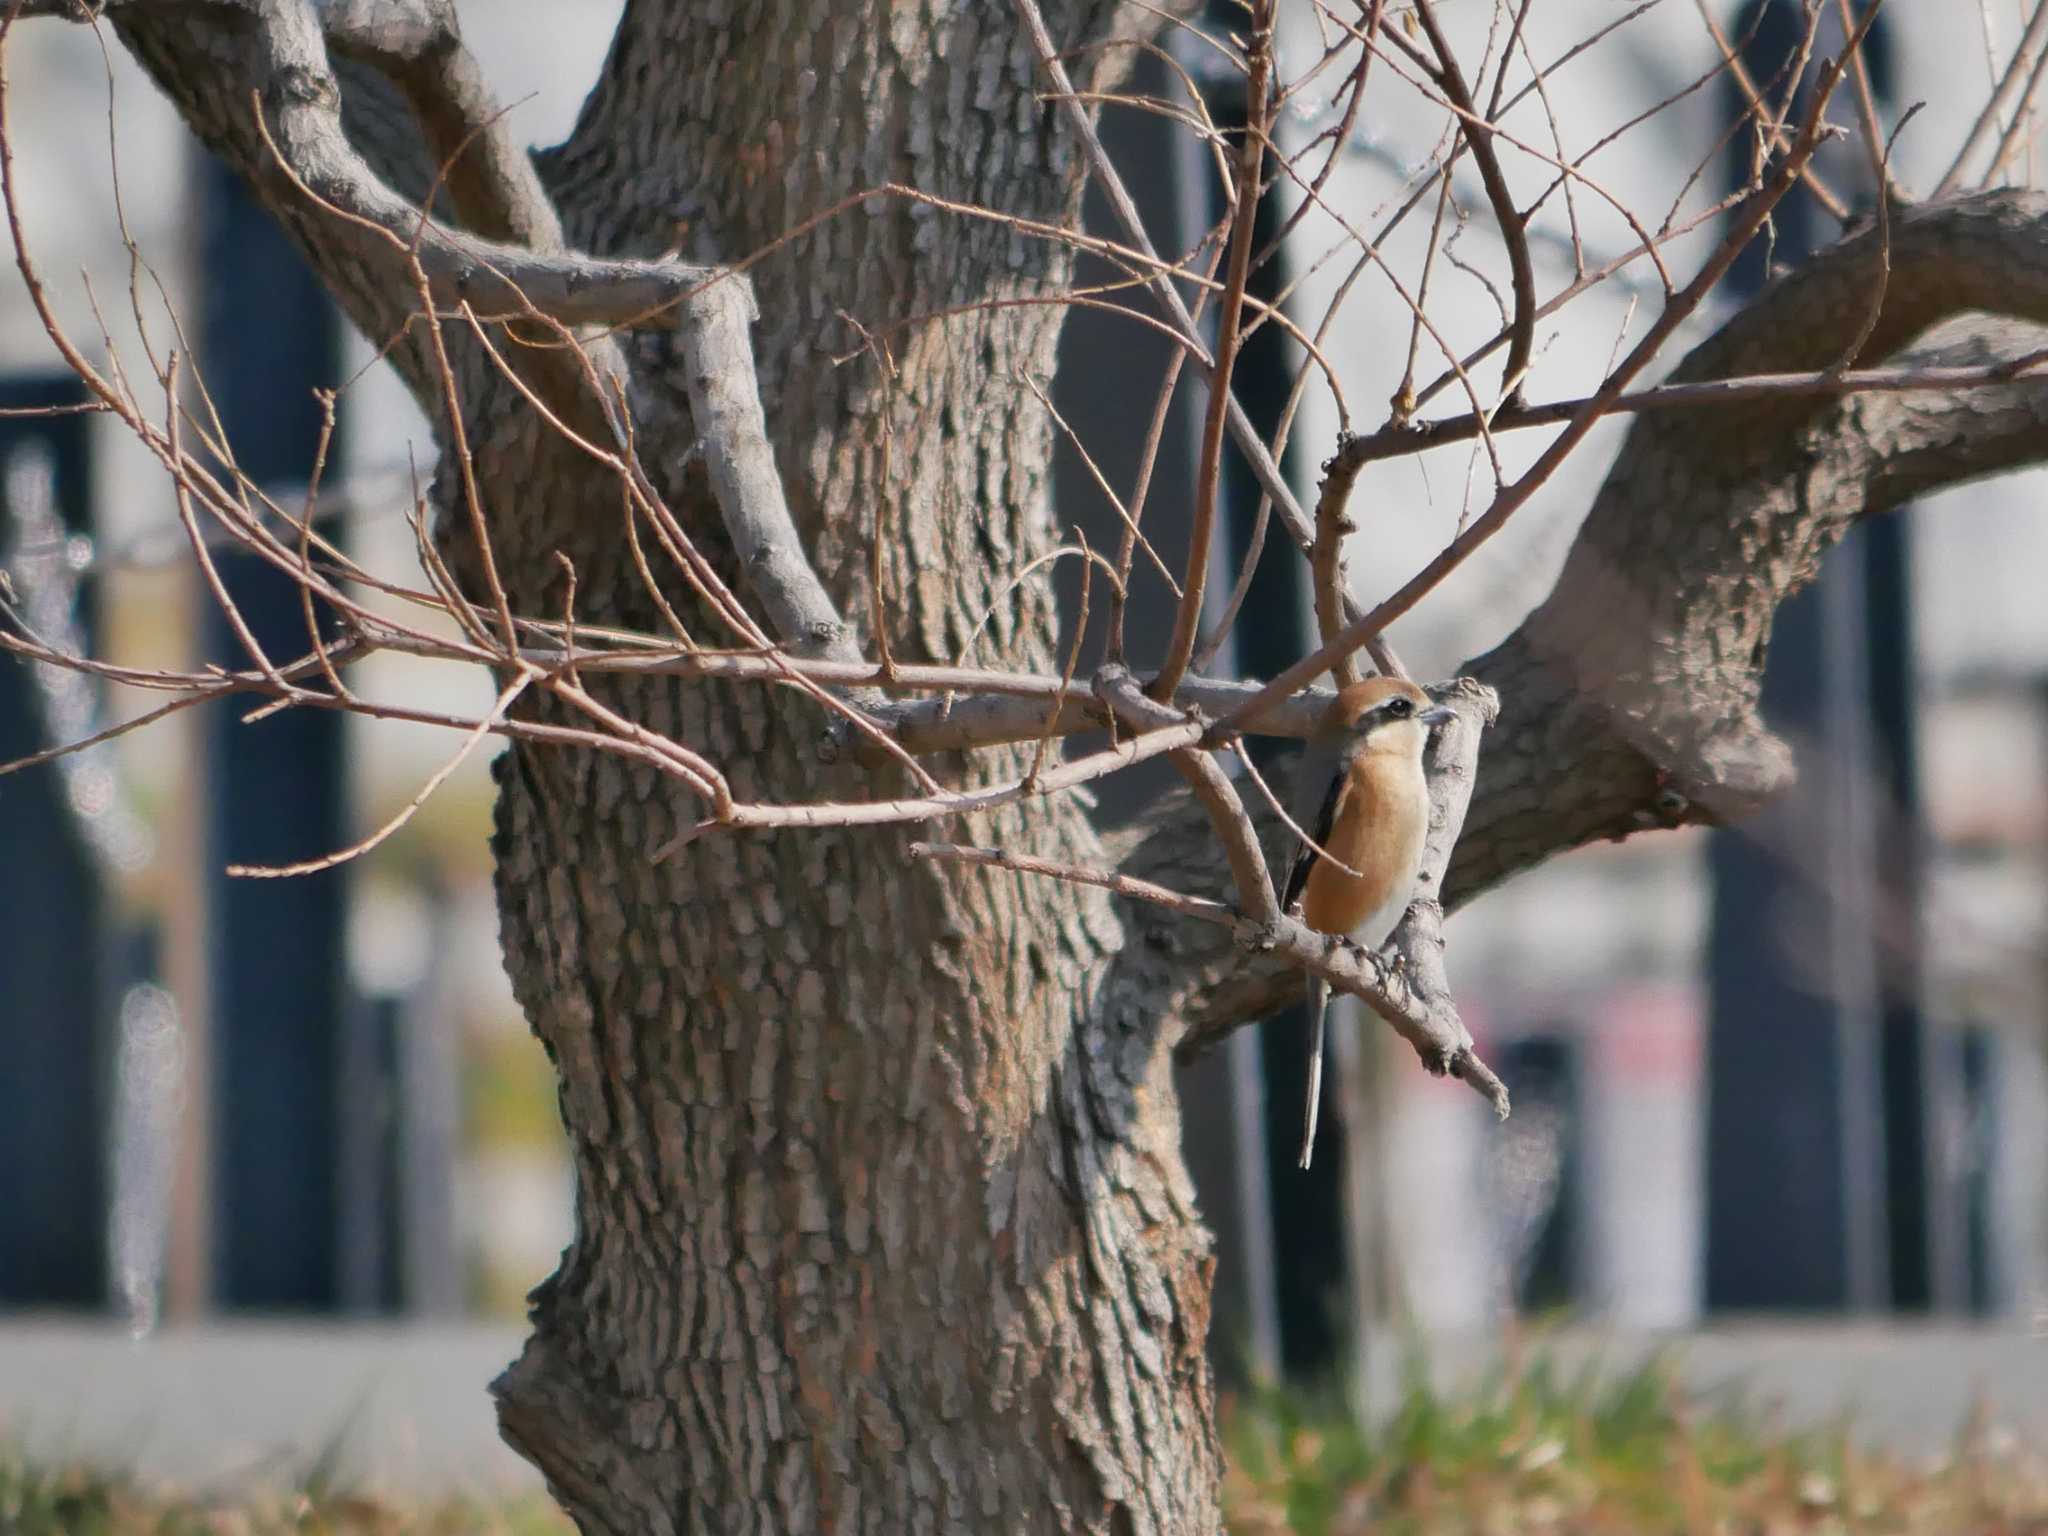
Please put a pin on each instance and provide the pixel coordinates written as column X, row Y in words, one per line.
column 428, row 1072
column 1538, row 1162
column 1791, row 1197
column 1982, row 1260
column 1107, row 384
column 1788, row 1213
column 1924, row 1221
column 53, row 1025
column 269, row 339
column 1822, row 1191
column 1308, row 1206
column 369, row 1175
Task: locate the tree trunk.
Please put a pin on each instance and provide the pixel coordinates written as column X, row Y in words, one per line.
column 881, row 1217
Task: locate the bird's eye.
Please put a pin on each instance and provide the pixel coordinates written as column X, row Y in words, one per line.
column 1400, row 708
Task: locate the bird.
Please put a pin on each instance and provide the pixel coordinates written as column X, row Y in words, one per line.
column 1357, row 873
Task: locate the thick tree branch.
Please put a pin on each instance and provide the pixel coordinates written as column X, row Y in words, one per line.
column 1631, row 690
column 497, row 280
column 725, row 405
column 213, row 58
column 417, row 46
column 254, row 81
column 498, row 193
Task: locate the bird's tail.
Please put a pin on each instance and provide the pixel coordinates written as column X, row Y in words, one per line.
column 1318, row 1012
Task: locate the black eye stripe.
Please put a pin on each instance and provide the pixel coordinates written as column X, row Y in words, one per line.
column 1395, row 707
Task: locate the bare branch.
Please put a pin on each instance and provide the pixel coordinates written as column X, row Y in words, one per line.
column 1827, row 383
column 1512, row 497
column 1211, row 787
column 1199, row 907
column 1242, row 432
column 725, row 403
column 1514, row 236
column 1327, row 561
column 1762, row 115
column 2018, row 71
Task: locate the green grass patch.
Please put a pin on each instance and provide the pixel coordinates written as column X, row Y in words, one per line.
column 1537, row 1449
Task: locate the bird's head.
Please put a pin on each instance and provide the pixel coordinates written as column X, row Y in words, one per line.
column 1385, row 714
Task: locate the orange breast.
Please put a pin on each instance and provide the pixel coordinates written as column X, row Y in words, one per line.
column 1378, row 831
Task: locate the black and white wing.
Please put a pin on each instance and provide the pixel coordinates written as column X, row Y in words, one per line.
column 1318, row 776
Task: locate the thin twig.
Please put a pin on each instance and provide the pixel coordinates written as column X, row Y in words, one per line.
column 1133, row 536
column 1514, row 235
column 1874, row 310
column 1242, row 432
column 1876, row 144
column 1073, row 662
column 308, row 580
column 878, row 616
column 1148, row 459
column 1187, row 618
column 355, row 850
column 870, row 813
column 1774, row 130
column 182, row 495
column 2019, row 131
column 2017, row 70
column 1326, row 569
column 1129, row 703
column 1200, row 908
column 1287, row 820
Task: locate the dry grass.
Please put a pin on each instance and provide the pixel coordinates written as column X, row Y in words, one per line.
column 1532, row 1451
column 37, row 1500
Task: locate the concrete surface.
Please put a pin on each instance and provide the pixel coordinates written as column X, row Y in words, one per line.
column 394, row 1407
column 404, row 1409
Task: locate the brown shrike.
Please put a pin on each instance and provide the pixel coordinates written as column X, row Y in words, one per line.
column 1363, row 767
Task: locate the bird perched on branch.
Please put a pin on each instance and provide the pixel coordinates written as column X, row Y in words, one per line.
column 1357, row 874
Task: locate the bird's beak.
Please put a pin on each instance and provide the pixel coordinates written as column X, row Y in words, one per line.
column 1439, row 715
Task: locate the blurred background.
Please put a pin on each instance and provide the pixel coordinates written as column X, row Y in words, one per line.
column 316, row 1097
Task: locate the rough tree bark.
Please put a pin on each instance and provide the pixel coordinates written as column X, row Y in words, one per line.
column 882, row 1222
